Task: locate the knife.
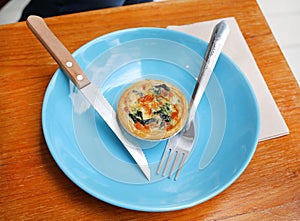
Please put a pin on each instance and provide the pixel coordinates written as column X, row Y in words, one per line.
column 91, row 92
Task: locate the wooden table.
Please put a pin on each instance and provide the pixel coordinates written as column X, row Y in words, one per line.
column 34, row 187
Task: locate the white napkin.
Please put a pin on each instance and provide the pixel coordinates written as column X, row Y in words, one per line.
column 272, row 122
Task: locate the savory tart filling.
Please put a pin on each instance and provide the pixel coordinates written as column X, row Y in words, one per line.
column 152, row 109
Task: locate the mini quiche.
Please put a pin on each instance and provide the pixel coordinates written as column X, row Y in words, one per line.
column 152, row 109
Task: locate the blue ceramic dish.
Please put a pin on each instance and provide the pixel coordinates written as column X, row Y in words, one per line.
column 227, row 121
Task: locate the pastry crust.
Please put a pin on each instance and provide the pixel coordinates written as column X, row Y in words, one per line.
column 152, row 109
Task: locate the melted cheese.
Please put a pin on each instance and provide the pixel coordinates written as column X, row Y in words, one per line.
column 152, row 109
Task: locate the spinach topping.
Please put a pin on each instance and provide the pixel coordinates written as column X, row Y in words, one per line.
column 139, row 93
column 158, row 88
column 163, row 116
column 138, row 117
column 164, row 112
column 163, row 86
column 150, row 120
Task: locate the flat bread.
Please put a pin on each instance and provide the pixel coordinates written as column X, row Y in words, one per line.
column 152, row 109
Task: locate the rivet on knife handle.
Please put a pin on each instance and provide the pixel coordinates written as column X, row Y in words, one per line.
column 57, row 50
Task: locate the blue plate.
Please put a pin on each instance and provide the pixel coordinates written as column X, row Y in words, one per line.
column 227, row 121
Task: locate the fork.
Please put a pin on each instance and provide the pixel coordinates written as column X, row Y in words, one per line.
column 181, row 145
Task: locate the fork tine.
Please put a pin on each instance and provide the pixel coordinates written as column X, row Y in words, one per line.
column 185, row 155
column 176, row 162
column 169, row 161
column 163, row 159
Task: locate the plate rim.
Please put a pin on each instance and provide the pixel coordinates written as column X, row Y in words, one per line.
column 124, row 204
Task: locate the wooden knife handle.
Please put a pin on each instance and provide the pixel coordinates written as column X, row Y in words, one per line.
column 57, row 50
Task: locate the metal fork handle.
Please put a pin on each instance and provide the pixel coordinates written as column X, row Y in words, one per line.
column 215, row 45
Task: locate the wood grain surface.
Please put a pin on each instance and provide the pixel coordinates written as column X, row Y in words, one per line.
column 34, row 188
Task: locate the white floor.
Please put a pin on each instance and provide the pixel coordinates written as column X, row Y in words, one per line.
column 282, row 16
column 284, row 19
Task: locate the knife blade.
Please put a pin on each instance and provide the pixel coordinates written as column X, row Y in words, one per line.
column 90, row 91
